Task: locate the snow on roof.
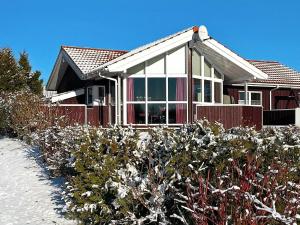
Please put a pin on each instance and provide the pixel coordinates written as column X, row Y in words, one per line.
column 88, row 59
column 277, row 72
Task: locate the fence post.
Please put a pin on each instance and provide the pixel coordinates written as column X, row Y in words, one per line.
column 85, row 115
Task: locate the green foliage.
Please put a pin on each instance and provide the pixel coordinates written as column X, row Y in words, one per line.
column 17, row 75
column 120, row 176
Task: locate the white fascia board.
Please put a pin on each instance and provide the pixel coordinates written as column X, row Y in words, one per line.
column 151, row 52
column 51, row 84
column 221, row 49
column 52, row 81
column 67, row 95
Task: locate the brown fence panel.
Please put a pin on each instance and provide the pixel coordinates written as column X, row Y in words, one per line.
column 71, row 114
column 232, row 115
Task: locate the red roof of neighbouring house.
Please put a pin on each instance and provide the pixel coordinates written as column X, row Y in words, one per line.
column 277, row 72
column 88, row 59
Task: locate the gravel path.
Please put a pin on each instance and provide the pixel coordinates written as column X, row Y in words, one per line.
column 27, row 195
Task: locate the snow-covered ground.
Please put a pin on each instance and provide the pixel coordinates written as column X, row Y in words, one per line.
column 27, row 195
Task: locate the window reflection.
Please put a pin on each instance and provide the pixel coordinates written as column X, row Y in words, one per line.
column 156, row 89
column 156, row 113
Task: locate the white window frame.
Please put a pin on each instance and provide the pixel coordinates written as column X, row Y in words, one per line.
column 242, row 102
column 146, row 102
column 213, row 80
column 95, row 96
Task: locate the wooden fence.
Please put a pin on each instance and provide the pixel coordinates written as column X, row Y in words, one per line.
column 279, row 117
column 79, row 114
column 231, row 115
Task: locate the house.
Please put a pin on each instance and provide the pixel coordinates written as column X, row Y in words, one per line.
column 177, row 79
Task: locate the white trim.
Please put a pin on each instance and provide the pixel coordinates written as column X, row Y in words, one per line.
column 67, row 95
column 250, row 98
column 124, row 101
column 95, row 95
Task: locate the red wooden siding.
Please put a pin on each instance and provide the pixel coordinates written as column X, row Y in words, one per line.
column 232, row 116
column 281, row 98
column 72, row 114
column 95, row 116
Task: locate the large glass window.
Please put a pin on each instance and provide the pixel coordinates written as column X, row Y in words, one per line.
column 217, row 74
column 136, row 114
column 207, row 91
column 197, row 90
column 156, row 89
column 177, row 89
column 177, row 113
column 156, row 113
column 207, row 69
column 196, row 63
column 136, row 89
column 217, row 92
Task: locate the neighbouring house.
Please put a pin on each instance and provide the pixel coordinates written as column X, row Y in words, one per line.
column 177, row 79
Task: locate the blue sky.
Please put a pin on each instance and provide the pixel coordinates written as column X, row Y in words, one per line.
column 256, row 29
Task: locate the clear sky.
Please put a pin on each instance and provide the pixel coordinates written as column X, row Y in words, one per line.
column 256, row 29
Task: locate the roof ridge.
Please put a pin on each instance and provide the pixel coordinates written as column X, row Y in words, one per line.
column 98, row 49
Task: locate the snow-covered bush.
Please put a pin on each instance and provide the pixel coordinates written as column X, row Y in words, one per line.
column 166, row 176
column 20, row 112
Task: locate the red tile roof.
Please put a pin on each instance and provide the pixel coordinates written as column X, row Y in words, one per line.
column 88, row 59
column 277, row 72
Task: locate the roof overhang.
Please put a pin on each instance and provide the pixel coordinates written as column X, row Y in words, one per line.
column 60, row 66
column 234, row 67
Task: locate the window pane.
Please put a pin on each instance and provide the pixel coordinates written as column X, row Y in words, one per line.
column 207, row 91
column 217, row 74
column 177, row 89
column 136, row 113
column 176, row 61
column 112, row 92
column 197, row 90
column 241, row 97
column 207, row 70
column 196, row 63
column 90, row 95
column 101, row 94
column 177, row 113
column 156, row 65
column 138, row 69
column 156, row 113
column 157, row 89
column 136, row 89
column 217, row 92
column 255, row 98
